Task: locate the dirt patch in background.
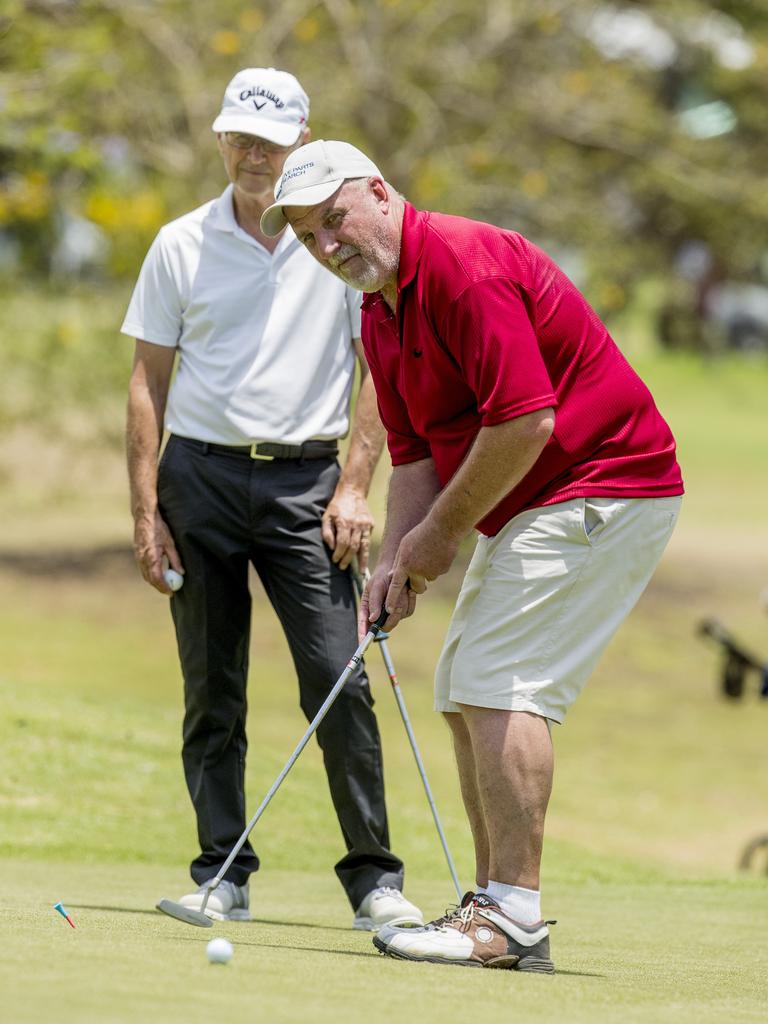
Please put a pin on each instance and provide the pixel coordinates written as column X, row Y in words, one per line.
column 65, row 525
column 83, row 564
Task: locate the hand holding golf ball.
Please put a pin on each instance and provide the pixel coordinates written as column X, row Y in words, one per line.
column 219, row 951
column 174, row 579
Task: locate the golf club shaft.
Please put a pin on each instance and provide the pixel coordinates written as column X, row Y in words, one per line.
column 389, row 664
column 352, row 664
column 390, row 667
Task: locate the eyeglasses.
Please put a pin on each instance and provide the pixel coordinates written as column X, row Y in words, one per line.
column 242, row 141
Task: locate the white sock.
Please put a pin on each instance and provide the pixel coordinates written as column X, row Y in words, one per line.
column 523, row 905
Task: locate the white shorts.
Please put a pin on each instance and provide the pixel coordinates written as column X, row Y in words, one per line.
column 542, row 598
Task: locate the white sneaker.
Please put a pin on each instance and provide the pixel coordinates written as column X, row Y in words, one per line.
column 228, row 902
column 386, row 905
column 476, row 934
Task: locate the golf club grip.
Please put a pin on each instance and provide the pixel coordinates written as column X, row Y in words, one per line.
column 379, row 623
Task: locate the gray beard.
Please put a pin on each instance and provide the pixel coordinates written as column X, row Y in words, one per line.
column 365, row 281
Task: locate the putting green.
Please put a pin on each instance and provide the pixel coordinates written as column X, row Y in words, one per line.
column 632, row 952
column 652, row 803
column 659, row 783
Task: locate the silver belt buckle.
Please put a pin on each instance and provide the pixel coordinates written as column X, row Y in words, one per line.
column 255, row 454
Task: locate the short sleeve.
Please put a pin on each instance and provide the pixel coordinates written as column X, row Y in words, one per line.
column 155, row 310
column 404, row 444
column 488, row 331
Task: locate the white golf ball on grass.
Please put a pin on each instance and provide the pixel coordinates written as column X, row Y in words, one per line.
column 174, row 579
column 219, row 951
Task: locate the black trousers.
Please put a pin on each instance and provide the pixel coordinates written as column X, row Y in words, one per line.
column 226, row 511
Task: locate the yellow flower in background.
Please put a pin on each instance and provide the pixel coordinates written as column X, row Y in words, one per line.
column 67, row 333
column 480, row 159
column 28, row 197
column 306, row 29
column 577, row 83
column 611, row 296
column 147, row 210
column 535, row 184
column 144, row 211
column 431, row 181
column 105, row 210
column 226, row 42
column 251, row 21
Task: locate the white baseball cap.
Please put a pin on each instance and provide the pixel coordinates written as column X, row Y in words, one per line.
column 311, row 174
column 264, row 102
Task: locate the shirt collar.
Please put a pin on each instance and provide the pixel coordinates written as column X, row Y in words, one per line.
column 223, row 212
column 222, row 217
column 411, row 245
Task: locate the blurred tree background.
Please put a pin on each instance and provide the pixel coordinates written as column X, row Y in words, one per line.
column 628, row 139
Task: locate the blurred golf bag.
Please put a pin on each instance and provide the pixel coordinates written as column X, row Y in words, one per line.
column 737, row 665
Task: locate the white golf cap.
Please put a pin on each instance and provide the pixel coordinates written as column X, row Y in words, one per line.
column 264, row 102
column 311, row 174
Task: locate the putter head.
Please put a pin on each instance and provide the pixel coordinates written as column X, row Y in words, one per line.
column 185, row 914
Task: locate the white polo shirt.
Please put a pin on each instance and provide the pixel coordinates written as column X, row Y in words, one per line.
column 264, row 339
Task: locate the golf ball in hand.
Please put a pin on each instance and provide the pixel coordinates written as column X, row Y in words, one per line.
column 174, row 579
column 219, row 951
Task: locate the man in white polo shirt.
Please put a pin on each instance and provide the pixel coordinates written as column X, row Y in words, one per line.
column 267, row 345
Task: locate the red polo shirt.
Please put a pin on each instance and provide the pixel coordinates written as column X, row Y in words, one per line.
column 489, row 328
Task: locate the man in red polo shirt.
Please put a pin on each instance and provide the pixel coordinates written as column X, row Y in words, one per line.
column 509, row 408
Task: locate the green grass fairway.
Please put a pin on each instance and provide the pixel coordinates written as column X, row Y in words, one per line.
column 659, row 784
column 654, row 797
column 650, row 951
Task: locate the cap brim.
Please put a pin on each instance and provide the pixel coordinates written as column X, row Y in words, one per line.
column 273, row 131
column 273, row 220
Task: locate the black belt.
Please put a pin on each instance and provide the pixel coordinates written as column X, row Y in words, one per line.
column 267, row 451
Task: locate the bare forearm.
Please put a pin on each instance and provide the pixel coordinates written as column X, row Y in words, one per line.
column 147, row 396
column 412, row 490
column 366, row 441
column 499, row 459
column 142, row 448
column 347, row 522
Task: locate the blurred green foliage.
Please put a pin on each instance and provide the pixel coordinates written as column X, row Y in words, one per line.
column 64, row 367
column 610, row 133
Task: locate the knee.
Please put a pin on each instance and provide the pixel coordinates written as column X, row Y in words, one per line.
column 315, row 686
column 350, row 723
column 204, row 719
column 207, row 742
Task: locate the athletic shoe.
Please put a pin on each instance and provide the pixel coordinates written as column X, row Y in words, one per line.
column 386, row 905
column 228, row 902
column 476, row 934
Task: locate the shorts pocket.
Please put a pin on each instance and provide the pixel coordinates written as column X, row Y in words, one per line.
column 668, row 509
column 593, row 518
